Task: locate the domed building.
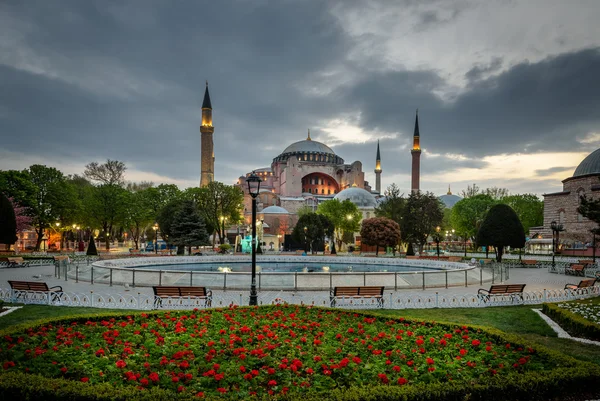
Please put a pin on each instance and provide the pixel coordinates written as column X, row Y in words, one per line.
column 363, row 199
column 449, row 200
column 306, row 173
column 562, row 206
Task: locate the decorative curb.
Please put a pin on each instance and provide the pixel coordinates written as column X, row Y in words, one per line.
column 10, row 309
column 561, row 333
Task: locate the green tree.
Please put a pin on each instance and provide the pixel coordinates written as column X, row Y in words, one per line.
column 468, row 214
column 106, row 200
column 501, row 228
column 528, row 207
column 8, row 222
column 18, row 186
column 380, row 231
column 422, row 214
column 344, row 216
column 216, row 201
column 137, row 214
column 166, row 217
column 187, row 227
column 160, row 196
column 393, row 204
column 50, row 199
column 316, row 229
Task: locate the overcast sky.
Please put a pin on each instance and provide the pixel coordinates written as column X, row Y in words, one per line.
column 508, row 91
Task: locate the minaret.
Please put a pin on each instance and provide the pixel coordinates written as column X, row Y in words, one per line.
column 207, row 154
column 378, row 170
column 449, row 192
column 416, row 157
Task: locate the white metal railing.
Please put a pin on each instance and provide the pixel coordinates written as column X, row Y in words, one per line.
column 392, row 300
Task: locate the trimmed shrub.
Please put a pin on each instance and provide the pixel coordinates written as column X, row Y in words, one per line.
column 573, row 323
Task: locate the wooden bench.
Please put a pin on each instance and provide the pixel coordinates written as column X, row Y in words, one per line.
column 352, row 293
column 22, row 288
column 582, row 284
column 14, row 262
column 514, row 290
column 575, row 269
column 455, row 258
column 183, row 292
column 529, row 262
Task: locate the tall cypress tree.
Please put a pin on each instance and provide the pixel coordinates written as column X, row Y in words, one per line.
column 8, row 222
column 92, row 251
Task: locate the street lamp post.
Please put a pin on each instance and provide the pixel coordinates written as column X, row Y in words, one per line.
column 556, row 229
column 253, row 182
column 155, row 228
column 437, row 241
column 305, row 240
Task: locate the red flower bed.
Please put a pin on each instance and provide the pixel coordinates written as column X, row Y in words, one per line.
column 274, row 350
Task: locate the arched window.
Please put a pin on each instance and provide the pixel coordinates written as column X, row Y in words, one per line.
column 561, row 217
column 580, row 193
column 322, row 191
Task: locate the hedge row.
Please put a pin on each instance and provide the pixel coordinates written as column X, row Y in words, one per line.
column 573, row 323
column 570, row 377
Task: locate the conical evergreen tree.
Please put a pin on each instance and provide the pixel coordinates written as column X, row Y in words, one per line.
column 187, row 227
column 8, row 222
column 92, row 251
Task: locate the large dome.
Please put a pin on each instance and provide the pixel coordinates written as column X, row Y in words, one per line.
column 589, row 165
column 360, row 197
column 308, row 145
column 309, row 151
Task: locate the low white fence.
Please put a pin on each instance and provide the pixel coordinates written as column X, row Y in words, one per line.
column 392, row 300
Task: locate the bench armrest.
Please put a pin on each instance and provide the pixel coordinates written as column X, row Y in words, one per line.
column 483, row 291
column 56, row 288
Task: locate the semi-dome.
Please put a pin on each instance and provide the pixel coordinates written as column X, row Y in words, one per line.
column 360, row 197
column 274, row 210
column 589, row 165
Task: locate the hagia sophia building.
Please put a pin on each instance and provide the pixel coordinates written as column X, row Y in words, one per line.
column 305, row 173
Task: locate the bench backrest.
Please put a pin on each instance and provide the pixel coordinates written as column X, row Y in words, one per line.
column 174, row 291
column 586, row 261
column 576, row 267
column 357, row 291
column 16, row 260
column 28, row 286
column 529, row 261
column 506, row 288
column 586, row 283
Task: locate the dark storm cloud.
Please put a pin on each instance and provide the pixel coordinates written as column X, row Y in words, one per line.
column 540, row 106
column 124, row 80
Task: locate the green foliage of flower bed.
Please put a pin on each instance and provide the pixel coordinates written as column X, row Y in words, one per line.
column 289, row 352
column 576, row 317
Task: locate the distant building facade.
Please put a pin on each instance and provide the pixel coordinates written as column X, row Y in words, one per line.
column 562, row 206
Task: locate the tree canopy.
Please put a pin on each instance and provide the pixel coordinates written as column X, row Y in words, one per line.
column 317, row 227
column 8, row 222
column 422, row 214
column 528, row 207
column 344, row 216
column 380, row 231
column 468, row 214
column 187, row 227
column 501, row 228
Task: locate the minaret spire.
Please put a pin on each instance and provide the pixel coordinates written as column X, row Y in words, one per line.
column 416, row 157
column 378, row 170
column 207, row 152
column 308, row 138
column 449, row 192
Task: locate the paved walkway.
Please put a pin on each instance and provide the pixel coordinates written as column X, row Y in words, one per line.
column 536, row 280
